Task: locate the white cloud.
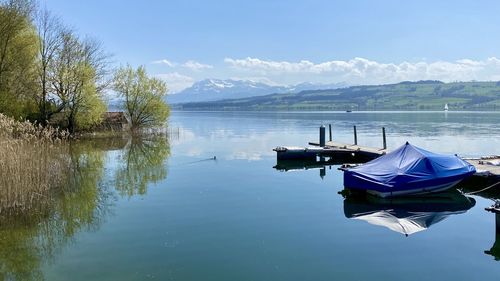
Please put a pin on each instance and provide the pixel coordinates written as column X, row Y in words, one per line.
column 176, row 81
column 360, row 70
column 196, row 66
column 165, row 62
column 258, row 79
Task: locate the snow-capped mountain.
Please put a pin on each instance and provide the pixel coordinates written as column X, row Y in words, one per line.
column 217, row 89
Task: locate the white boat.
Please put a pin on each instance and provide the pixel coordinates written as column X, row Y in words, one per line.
column 446, row 107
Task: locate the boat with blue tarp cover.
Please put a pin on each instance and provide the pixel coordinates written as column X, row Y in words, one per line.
column 408, row 170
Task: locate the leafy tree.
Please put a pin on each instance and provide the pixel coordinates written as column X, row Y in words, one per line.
column 144, row 102
column 78, row 79
column 17, row 56
column 14, row 22
column 91, row 106
column 46, row 68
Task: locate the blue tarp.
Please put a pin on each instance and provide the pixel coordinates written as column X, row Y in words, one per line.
column 408, row 168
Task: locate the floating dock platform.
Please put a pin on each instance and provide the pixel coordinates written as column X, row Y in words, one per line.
column 330, row 150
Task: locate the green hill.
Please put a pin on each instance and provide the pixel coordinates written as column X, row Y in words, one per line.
column 421, row 95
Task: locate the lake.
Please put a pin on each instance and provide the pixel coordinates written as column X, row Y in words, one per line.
column 166, row 209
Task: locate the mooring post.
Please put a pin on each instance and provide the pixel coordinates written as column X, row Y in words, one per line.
column 355, row 136
column 383, row 136
column 497, row 223
column 330, row 128
column 322, row 136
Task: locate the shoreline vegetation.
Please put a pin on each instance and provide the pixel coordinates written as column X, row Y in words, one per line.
column 55, row 131
column 53, row 186
column 53, row 76
column 37, row 162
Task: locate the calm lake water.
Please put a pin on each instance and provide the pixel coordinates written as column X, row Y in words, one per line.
column 158, row 209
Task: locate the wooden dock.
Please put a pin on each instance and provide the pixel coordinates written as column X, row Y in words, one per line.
column 332, row 149
column 488, row 166
column 376, row 152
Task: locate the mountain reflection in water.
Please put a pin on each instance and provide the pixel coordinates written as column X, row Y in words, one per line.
column 407, row 215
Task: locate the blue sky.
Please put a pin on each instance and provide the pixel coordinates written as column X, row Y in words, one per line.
column 287, row 42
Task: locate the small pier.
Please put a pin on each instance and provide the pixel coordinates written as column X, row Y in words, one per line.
column 336, row 153
column 487, row 166
column 332, row 149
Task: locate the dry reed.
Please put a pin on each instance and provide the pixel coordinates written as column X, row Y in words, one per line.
column 33, row 162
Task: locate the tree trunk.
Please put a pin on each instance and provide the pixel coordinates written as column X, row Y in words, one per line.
column 71, row 123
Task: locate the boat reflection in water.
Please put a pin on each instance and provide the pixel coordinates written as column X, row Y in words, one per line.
column 407, row 215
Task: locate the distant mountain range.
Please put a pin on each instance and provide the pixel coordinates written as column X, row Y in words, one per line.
column 420, row 95
column 217, row 89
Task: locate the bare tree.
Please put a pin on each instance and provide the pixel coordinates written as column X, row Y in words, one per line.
column 95, row 56
column 50, row 32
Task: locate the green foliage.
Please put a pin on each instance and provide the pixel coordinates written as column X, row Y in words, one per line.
column 18, row 42
column 91, row 111
column 143, row 97
column 422, row 95
column 46, row 69
column 84, row 104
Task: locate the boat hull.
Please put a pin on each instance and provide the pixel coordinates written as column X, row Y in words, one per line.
column 408, row 188
column 416, row 191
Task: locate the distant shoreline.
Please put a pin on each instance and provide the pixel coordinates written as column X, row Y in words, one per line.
column 405, row 96
column 337, row 111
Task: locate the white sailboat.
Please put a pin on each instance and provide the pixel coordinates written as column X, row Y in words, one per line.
column 446, row 107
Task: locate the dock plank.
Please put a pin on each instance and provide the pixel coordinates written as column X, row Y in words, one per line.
column 484, row 166
column 359, row 148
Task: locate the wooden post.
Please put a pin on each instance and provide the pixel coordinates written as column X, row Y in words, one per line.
column 355, row 136
column 384, row 139
column 497, row 223
column 322, row 136
column 330, row 127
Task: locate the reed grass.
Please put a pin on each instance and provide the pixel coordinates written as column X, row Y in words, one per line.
column 33, row 162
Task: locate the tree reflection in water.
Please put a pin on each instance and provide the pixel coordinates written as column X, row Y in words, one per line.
column 33, row 235
column 143, row 162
